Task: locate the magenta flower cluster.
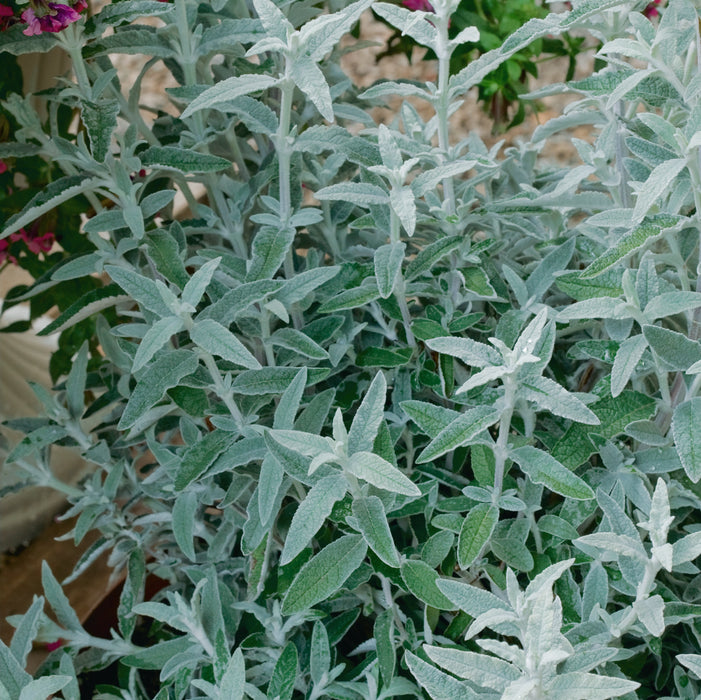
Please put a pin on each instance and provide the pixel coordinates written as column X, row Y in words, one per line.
column 43, row 16
column 422, row 5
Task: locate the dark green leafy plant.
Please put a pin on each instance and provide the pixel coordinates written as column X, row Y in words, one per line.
column 388, row 413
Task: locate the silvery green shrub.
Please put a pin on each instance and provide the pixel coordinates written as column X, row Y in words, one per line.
column 390, row 414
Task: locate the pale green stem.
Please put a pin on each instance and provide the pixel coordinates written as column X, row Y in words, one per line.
column 442, row 106
column 265, row 336
column 399, row 288
column 501, row 449
column 224, row 394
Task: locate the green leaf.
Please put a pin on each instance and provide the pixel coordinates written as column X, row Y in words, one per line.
column 198, row 457
column 677, row 350
column 100, row 119
column 383, row 632
column 487, row 671
column 362, row 193
column 379, row 472
column 311, row 514
column 439, row 685
column 184, row 521
column 687, row 436
column 421, row 580
column 476, row 530
column 430, row 418
column 183, row 160
column 26, row 632
column 227, row 90
column 154, row 339
column 351, row 299
column 49, row 198
column 656, row 185
column 461, row 431
column 414, row 23
column 590, row 686
column 273, row 380
column 388, row 264
column 140, row 288
column 270, row 247
column 290, row 401
column 282, row 681
column 75, row 383
column 542, row 468
column 372, row 521
column 43, row 688
column 366, row 421
column 233, row 682
column 625, row 362
column 57, row 599
column 552, row 397
column 320, row 652
column 471, row 352
column 431, row 254
column 299, row 342
column 644, row 233
column 310, row 79
column 383, row 357
column 165, row 372
column 324, row 573
column 401, row 199
column 220, row 341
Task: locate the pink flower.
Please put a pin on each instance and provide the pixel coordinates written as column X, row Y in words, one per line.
column 51, row 17
column 651, row 10
column 3, row 167
column 5, row 11
column 422, row 5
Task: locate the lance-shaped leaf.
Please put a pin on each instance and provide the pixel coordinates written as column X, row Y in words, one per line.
column 309, row 78
column 368, row 417
column 379, row 472
column 430, row 417
column 542, row 468
column 167, row 371
column 687, row 436
column 552, row 397
column 199, row 456
column 273, row 380
column 363, row 193
column 460, row 432
column 372, row 521
column 383, row 632
column 48, row 198
column 675, row 349
column 625, row 362
column 648, row 230
column 142, row 289
column 657, row 185
column 270, row 247
column 414, row 23
column 284, row 674
column 233, row 681
column 388, row 264
column 439, row 685
column 487, row 671
column 469, row 351
column 183, row 160
column 475, row 532
column 154, row 339
column 298, row 342
column 421, row 580
column 227, row 90
column 311, row 514
column 324, row 573
column 589, row 686
column 220, row 341
column 100, row 119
